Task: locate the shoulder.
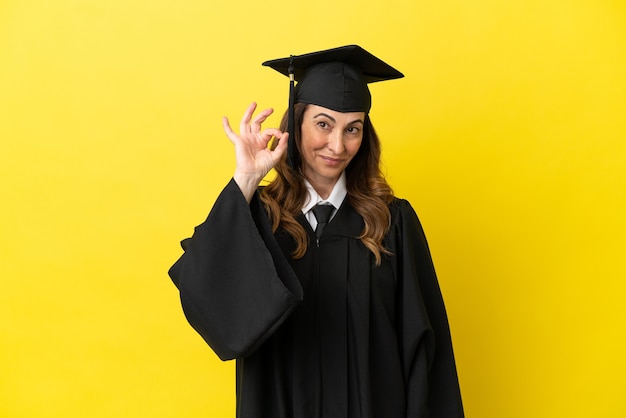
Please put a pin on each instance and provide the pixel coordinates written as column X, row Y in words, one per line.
column 403, row 217
column 406, row 232
column 400, row 207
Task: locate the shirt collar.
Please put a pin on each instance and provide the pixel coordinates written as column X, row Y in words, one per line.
column 336, row 197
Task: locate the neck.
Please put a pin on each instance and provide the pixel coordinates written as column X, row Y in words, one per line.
column 323, row 188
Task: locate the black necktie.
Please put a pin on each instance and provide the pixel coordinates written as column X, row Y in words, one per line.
column 322, row 214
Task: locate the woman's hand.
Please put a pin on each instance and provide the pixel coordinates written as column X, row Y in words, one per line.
column 254, row 158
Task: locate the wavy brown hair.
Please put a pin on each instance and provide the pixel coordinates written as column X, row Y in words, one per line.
column 368, row 192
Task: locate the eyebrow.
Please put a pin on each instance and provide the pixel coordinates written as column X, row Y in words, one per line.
column 333, row 119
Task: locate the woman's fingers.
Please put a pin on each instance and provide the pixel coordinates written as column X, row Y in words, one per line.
column 229, row 131
column 244, row 126
column 281, row 145
column 259, row 119
column 252, row 137
column 268, row 133
column 233, row 136
column 261, row 138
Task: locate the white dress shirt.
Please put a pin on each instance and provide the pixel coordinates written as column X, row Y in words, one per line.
column 336, row 199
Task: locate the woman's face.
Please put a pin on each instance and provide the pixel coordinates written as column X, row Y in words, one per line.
column 330, row 140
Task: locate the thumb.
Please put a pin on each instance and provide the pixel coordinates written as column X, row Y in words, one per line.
column 281, row 147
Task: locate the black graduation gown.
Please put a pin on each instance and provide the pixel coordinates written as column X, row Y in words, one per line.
column 330, row 335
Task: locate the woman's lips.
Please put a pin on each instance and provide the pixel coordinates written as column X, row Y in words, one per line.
column 332, row 161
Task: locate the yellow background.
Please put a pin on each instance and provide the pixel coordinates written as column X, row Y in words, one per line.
column 508, row 135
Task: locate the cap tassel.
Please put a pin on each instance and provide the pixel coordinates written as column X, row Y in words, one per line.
column 292, row 152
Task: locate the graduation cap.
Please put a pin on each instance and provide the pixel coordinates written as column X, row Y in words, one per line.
column 334, row 78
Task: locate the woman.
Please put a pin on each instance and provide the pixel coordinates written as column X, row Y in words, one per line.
column 321, row 284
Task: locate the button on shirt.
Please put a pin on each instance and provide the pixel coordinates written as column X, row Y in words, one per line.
column 336, row 199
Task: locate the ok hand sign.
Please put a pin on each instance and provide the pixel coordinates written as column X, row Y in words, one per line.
column 254, row 158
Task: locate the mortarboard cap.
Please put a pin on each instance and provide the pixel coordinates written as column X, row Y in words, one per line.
column 334, row 78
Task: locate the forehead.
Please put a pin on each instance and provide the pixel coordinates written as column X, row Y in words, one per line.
column 314, row 111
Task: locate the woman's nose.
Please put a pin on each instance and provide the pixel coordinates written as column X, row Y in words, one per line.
column 335, row 142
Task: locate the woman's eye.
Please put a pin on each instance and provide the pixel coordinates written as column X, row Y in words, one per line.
column 322, row 124
column 353, row 130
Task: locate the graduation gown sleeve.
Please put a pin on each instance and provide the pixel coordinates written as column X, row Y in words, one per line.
column 431, row 381
column 236, row 287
